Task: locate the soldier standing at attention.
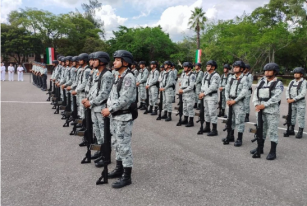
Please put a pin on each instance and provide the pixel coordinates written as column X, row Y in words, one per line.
column 188, row 96
column 134, row 69
column 267, row 98
column 295, row 94
column 223, row 83
column 176, row 79
column 140, row 83
column 235, row 91
column 199, row 76
column 121, row 98
column 152, row 86
column 209, row 88
column 247, row 98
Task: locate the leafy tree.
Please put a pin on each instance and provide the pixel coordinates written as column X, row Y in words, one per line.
column 197, row 22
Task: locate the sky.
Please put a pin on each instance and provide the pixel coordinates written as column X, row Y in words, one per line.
column 171, row 15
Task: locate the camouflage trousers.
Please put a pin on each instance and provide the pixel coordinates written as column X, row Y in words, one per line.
column 153, row 95
column 223, row 99
column 121, row 141
column 142, row 93
column 188, row 103
column 246, row 102
column 197, row 92
column 168, row 97
column 298, row 110
column 238, row 116
column 270, row 126
column 81, row 109
column 210, row 108
column 98, row 126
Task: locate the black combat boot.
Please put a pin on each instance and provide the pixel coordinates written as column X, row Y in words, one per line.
column 198, row 107
column 82, row 144
column 299, row 135
column 238, row 142
column 141, row 105
column 124, row 180
column 195, row 106
column 118, row 171
column 272, row 154
column 207, row 128
column 148, row 111
column 96, row 155
column 231, row 137
column 169, row 118
column 164, row 115
column 185, row 120
column 101, row 163
column 213, row 131
column 247, row 117
column 191, row 122
column 255, row 150
column 291, row 132
column 220, row 114
column 154, row 111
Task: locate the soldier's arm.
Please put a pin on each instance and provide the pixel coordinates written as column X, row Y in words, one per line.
column 244, row 90
column 276, row 97
column 251, row 78
column 154, row 79
column 192, row 83
column 126, row 92
column 227, row 90
column 202, row 89
column 288, row 91
column 104, row 91
column 302, row 94
column 170, row 81
column 145, row 75
column 81, row 86
column 214, row 85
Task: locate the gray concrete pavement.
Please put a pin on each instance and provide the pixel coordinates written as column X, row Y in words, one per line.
column 172, row 165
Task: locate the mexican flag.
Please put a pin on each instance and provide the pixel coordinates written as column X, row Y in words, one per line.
column 49, row 55
column 197, row 56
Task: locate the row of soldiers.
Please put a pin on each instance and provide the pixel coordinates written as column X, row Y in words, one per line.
column 39, row 75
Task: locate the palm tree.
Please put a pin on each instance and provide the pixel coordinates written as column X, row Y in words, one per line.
column 197, row 22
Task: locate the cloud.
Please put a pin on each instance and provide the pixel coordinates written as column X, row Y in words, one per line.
column 7, row 6
column 70, row 3
column 111, row 21
column 143, row 14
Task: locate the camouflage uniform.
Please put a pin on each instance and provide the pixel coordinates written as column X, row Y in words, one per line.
column 98, row 98
column 249, row 93
column 270, row 113
column 135, row 72
column 142, row 78
column 298, row 106
column 237, row 93
column 121, row 124
column 188, row 96
column 199, row 77
column 168, row 83
column 176, row 79
column 223, row 83
column 84, row 75
column 63, row 80
column 68, row 81
column 74, row 86
column 152, row 82
column 211, row 96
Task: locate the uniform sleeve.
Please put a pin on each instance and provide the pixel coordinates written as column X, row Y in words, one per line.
column 126, row 92
column 104, row 91
column 192, row 78
column 288, row 91
column 154, row 79
column 276, row 97
column 81, row 86
column 214, row 85
column 170, row 80
column 302, row 94
column 227, row 89
column 244, row 90
column 145, row 75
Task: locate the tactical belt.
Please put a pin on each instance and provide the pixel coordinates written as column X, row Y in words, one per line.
column 120, row 112
column 210, row 94
column 232, row 97
column 264, row 99
column 300, row 99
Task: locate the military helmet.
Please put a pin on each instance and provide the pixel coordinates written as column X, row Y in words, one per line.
column 142, row 62
column 271, row 67
column 212, row 63
column 187, row 64
column 134, row 63
column 168, row 63
column 84, row 57
column 154, row 62
column 68, row 58
column 227, row 66
column 55, row 62
column 75, row 59
column 125, row 55
column 59, row 57
column 299, row 70
column 247, row 66
column 91, row 55
column 102, row 57
column 162, row 66
column 238, row 64
column 198, row 64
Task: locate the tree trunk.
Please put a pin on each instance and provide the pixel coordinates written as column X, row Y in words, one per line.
column 198, row 41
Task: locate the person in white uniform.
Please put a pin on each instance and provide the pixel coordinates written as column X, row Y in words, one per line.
column 20, row 70
column 11, row 71
column 2, row 72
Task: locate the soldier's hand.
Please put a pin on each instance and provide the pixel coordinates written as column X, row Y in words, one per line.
column 180, row 91
column 137, row 84
column 83, row 101
column 231, row 102
column 73, row 92
column 147, row 86
column 201, row 95
column 290, row 101
column 87, row 104
column 68, row 88
column 63, row 86
column 105, row 112
column 162, row 89
column 221, row 88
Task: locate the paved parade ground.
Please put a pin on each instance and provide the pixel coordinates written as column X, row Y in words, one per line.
column 172, row 165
